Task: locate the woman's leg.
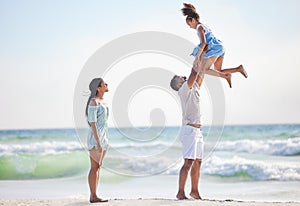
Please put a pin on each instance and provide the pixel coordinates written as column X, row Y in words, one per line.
column 218, row 66
column 94, row 174
column 100, row 164
column 102, row 157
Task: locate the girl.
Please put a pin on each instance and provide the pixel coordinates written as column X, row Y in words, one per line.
column 213, row 48
column 97, row 114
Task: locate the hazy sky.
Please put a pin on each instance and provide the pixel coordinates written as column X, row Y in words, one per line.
column 45, row 44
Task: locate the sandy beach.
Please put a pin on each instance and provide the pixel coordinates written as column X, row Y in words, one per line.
column 138, row 202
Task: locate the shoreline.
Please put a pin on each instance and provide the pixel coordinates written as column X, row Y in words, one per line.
column 139, row 201
column 76, row 188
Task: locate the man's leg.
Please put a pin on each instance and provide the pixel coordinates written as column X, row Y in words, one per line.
column 195, row 175
column 182, row 178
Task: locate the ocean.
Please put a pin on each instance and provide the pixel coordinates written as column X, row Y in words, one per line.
column 244, row 162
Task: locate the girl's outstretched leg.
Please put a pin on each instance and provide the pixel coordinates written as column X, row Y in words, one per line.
column 204, row 65
column 218, row 66
column 215, row 73
column 243, row 71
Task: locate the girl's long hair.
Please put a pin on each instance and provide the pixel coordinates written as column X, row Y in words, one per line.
column 189, row 11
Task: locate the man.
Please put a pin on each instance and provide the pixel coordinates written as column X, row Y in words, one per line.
column 190, row 134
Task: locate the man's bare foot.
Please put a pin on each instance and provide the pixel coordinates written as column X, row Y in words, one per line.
column 195, row 195
column 228, row 78
column 243, row 71
column 181, row 196
column 97, row 199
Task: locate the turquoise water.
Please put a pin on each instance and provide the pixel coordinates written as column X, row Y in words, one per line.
column 253, row 152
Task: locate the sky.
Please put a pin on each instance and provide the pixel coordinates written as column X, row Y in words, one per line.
column 45, row 44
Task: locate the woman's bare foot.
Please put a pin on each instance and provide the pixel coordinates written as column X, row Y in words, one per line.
column 181, row 196
column 228, row 78
column 97, row 199
column 243, row 71
column 195, row 195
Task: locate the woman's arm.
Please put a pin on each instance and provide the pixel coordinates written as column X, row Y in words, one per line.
column 95, row 133
column 94, row 126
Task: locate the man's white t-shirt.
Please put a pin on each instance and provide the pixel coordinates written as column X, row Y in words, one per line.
column 190, row 104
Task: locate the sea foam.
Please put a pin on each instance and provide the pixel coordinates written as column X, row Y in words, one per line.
column 256, row 169
column 286, row 147
column 42, row 147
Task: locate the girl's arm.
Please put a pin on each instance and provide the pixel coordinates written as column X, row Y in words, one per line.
column 203, row 43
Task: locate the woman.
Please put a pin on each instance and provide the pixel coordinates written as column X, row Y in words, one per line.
column 97, row 142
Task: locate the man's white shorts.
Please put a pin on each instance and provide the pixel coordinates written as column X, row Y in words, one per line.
column 192, row 142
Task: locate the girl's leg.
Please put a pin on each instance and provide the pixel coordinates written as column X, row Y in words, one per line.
column 218, row 66
column 205, row 65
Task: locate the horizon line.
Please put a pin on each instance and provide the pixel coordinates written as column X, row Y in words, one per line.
column 74, row 128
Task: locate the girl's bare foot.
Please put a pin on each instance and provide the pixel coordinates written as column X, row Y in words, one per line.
column 195, row 195
column 228, row 78
column 243, row 71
